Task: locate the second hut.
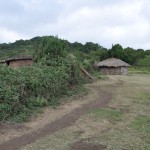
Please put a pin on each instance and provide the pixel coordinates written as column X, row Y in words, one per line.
column 113, row 66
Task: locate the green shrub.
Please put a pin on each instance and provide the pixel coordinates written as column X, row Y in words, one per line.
column 33, row 86
column 144, row 62
column 25, row 89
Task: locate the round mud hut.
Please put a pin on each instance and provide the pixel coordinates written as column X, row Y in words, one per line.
column 21, row 61
column 113, row 66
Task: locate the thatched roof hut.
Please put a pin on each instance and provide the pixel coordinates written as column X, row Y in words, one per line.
column 113, row 66
column 17, row 62
column 2, row 62
column 19, row 58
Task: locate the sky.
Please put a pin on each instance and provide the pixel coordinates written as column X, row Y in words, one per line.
column 106, row 22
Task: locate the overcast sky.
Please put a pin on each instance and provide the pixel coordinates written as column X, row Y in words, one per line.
column 105, row 22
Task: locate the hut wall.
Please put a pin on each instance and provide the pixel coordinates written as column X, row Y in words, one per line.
column 114, row 70
column 111, row 70
column 20, row 63
column 124, row 70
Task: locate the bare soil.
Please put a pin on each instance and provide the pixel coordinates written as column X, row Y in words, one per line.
column 98, row 98
column 84, row 145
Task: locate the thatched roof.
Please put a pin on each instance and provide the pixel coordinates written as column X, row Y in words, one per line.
column 19, row 58
column 2, row 61
column 112, row 62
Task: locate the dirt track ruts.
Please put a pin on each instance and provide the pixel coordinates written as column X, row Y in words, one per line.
column 65, row 121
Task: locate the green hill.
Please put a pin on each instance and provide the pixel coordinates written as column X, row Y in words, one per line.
column 88, row 52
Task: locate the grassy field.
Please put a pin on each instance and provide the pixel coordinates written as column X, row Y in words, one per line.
column 123, row 125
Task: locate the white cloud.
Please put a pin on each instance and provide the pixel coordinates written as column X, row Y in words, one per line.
column 8, row 35
column 103, row 21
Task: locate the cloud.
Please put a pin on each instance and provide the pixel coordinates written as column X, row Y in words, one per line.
column 8, row 35
column 103, row 21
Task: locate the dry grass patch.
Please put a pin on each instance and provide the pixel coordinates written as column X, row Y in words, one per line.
column 124, row 125
column 60, row 140
column 105, row 113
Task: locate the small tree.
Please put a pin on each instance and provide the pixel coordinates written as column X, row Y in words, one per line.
column 50, row 49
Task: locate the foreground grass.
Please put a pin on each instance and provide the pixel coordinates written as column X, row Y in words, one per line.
column 125, row 124
column 102, row 113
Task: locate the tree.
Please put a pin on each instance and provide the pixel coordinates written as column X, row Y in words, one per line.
column 89, row 46
column 50, row 49
column 116, row 51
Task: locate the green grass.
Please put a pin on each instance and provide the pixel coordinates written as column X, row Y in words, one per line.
column 122, row 139
column 136, row 135
column 141, row 124
column 105, row 113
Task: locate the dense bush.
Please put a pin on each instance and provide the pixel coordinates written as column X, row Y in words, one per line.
column 145, row 62
column 90, row 51
column 25, row 89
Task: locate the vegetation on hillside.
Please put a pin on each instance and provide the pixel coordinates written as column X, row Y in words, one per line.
column 88, row 52
column 26, row 89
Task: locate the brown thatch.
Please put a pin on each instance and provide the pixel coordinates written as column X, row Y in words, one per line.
column 2, row 61
column 112, row 62
column 19, row 58
column 17, row 62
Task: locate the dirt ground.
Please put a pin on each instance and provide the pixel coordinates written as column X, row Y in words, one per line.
column 16, row 135
column 81, row 123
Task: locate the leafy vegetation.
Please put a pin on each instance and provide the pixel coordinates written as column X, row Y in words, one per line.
column 25, row 89
column 89, row 51
column 145, row 62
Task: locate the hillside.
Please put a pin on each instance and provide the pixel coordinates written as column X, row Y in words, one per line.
column 20, row 47
column 88, row 51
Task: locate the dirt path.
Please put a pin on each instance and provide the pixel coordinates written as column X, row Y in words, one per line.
column 67, row 120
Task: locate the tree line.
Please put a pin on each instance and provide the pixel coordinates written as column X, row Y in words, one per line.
column 89, row 51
